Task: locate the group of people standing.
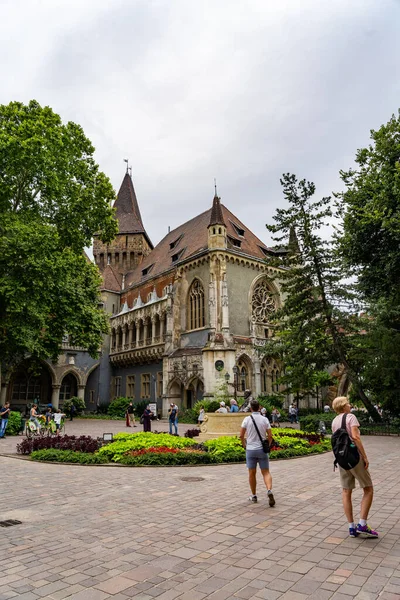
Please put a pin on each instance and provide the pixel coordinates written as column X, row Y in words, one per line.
column 147, row 416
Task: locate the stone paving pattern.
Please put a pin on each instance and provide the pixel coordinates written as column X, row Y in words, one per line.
column 92, row 533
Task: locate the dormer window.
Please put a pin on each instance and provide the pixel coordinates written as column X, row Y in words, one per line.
column 236, row 243
column 147, row 270
column 175, row 242
column 239, row 230
column 177, row 255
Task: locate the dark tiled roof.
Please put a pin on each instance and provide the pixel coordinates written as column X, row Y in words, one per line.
column 216, row 217
column 192, row 238
column 128, row 213
column 112, row 280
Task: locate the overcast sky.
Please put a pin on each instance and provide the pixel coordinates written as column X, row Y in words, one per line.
column 189, row 90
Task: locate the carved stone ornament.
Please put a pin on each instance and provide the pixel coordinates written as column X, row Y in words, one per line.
column 262, row 303
column 203, row 426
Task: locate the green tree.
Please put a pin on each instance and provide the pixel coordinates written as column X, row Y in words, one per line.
column 53, row 198
column 317, row 325
column 369, row 246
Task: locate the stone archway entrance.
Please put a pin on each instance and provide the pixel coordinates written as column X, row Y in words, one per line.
column 69, row 388
column 193, row 392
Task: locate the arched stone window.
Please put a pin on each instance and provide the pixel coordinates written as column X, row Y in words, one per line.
column 243, row 375
column 262, row 303
column 196, row 312
column 275, row 374
column 264, row 377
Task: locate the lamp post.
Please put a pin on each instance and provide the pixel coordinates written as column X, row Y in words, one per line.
column 235, row 372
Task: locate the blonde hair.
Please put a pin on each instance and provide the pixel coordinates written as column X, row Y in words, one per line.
column 339, row 403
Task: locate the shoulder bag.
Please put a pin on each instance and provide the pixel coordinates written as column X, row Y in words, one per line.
column 265, row 443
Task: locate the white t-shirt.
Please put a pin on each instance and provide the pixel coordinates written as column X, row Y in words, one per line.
column 253, row 441
column 57, row 418
column 222, row 409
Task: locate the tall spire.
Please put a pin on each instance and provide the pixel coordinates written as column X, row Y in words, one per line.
column 293, row 245
column 216, row 217
column 127, row 208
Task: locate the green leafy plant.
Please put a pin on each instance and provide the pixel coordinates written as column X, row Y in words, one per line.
column 14, row 423
column 136, row 441
column 118, row 407
column 79, row 404
column 68, row 456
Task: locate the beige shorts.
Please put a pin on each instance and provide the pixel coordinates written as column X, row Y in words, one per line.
column 348, row 478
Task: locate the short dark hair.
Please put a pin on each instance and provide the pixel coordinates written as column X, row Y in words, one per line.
column 254, row 405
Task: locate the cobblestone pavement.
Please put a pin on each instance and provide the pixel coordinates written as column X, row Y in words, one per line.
column 91, row 533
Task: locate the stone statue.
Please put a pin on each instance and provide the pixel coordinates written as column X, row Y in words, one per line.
column 246, row 404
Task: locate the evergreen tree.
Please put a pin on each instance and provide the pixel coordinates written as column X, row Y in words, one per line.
column 318, row 324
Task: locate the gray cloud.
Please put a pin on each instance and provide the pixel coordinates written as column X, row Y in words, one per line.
column 241, row 91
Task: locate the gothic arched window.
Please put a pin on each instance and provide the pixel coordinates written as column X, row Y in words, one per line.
column 264, row 377
column 262, row 303
column 243, row 375
column 196, row 316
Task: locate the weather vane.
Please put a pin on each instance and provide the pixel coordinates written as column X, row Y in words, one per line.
column 127, row 165
column 215, row 186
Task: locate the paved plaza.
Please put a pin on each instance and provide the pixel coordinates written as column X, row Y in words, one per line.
column 91, row 533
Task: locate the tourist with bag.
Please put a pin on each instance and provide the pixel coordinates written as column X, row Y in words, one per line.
column 353, row 464
column 257, row 443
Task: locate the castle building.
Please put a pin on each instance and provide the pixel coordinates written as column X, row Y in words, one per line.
column 183, row 314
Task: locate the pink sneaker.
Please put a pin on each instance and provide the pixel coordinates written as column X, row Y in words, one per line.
column 366, row 530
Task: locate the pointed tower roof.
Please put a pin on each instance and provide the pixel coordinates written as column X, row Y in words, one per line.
column 293, row 245
column 216, row 218
column 128, row 213
column 127, row 210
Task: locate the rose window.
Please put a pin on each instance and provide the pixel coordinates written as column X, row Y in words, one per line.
column 262, row 303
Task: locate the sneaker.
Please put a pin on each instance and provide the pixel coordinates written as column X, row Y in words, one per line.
column 253, row 499
column 353, row 532
column 366, row 530
column 271, row 499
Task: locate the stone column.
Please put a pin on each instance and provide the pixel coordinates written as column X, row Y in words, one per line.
column 81, row 391
column 153, row 330
column 123, row 337
column 55, row 395
column 162, row 317
column 144, row 332
column 130, row 339
column 212, row 307
column 137, row 323
column 224, row 304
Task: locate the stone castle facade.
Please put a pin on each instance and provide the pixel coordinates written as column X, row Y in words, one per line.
column 183, row 314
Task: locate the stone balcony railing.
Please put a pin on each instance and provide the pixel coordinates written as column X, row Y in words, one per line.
column 149, row 349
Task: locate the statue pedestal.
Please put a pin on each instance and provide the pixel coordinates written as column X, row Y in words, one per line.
column 217, row 424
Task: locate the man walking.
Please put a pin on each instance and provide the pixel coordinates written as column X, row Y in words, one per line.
column 131, row 415
column 173, row 418
column 4, row 416
column 258, row 428
column 360, row 472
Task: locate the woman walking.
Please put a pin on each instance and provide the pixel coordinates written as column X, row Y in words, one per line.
column 147, row 418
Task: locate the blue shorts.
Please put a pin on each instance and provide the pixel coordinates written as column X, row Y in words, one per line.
column 257, row 456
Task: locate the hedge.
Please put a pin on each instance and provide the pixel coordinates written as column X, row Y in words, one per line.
column 68, row 456
column 14, row 423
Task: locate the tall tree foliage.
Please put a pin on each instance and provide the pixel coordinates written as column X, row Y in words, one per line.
column 369, row 247
column 317, row 325
column 53, row 198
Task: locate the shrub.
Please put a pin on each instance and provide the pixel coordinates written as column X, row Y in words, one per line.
column 84, row 443
column 209, row 406
column 191, row 433
column 79, row 404
column 271, row 400
column 311, row 422
column 118, row 407
column 14, row 423
column 188, row 415
column 168, row 458
column 69, row 456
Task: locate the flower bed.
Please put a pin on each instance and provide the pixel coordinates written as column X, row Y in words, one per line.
column 165, row 449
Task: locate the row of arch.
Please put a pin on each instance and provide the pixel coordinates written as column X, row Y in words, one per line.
column 141, row 332
column 269, row 371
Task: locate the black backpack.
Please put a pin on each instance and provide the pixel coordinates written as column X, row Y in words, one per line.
column 344, row 449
